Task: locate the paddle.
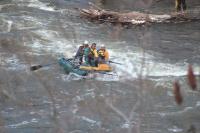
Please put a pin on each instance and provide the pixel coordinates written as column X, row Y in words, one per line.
column 36, row 67
column 115, row 62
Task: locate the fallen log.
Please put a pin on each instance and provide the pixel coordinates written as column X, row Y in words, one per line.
column 134, row 17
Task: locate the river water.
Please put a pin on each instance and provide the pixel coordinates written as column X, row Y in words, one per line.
column 139, row 100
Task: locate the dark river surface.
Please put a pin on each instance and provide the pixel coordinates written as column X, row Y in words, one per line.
column 139, row 100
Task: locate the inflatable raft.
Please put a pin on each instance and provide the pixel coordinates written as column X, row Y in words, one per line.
column 70, row 66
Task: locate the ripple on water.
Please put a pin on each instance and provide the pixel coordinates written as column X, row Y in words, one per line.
column 12, row 63
column 198, row 104
column 6, row 25
column 175, row 129
column 35, row 4
column 23, row 123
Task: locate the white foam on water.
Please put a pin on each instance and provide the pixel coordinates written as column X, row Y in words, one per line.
column 18, row 124
column 12, row 63
column 9, row 25
column 106, row 77
column 35, row 21
column 135, row 64
column 175, row 129
column 6, row 25
column 50, row 42
column 23, row 123
column 89, row 120
column 186, row 110
column 36, row 4
column 198, row 104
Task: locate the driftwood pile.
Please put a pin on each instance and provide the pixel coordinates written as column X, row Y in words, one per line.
column 134, row 18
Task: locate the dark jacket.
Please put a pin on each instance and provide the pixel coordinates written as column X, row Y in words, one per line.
column 80, row 51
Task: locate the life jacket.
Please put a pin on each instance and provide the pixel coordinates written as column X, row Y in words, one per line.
column 103, row 54
column 93, row 53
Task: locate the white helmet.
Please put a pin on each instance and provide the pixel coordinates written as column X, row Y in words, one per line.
column 85, row 42
column 102, row 46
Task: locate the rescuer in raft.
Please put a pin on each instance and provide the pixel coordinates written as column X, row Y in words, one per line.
column 93, row 55
column 103, row 54
column 86, row 54
column 80, row 52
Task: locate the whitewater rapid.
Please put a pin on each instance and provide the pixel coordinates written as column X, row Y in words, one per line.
column 45, row 38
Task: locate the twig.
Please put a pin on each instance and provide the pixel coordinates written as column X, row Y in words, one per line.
column 133, row 110
column 109, row 103
column 95, row 6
